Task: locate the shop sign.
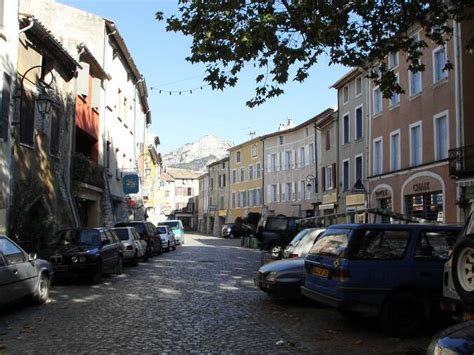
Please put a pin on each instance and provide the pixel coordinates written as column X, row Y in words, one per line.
column 382, row 194
column 356, row 199
column 329, row 198
column 222, row 213
column 130, row 184
column 422, row 185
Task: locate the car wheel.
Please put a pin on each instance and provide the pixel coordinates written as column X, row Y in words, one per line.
column 168, row 248
column 276, row 251
column 463, row 270
column 119, row 266
column 41, row 293
column 135, row 259
column 403, row 314
column 174, row 246
column 97, row 276
column 160, row 251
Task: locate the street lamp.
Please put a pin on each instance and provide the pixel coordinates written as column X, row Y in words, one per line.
column 44, row 102
column 310, row 180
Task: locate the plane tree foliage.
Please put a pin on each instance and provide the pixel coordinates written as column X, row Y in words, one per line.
column 284, row 39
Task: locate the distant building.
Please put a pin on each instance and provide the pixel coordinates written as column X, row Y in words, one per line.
column 219, row 189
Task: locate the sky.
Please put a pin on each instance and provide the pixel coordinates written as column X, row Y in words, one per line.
column 180, row 119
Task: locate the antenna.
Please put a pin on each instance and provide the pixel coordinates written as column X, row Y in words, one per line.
column 252, row 134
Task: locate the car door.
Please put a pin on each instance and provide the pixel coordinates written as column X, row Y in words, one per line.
column 115, row 247
column 8, row 283
column 106, row 251
column 19, row 273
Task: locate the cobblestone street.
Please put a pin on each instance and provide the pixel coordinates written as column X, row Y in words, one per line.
column 198, row 299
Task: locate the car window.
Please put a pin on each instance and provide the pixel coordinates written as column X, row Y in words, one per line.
column 2, row 261
column 299, row 236
column 112, row 236
column 332, row 243
column 103, row 237
column 162, row 230
column 379, row 244
column 122, row 234
column 135, row 233
column 13, row 255
column 434, row 245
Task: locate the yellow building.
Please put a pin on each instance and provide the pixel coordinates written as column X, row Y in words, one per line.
column 246, row 179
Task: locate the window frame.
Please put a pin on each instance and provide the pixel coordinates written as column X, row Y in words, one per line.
column 348, row 161
column 374, row 143
column 410, row 128
column 374, row 112
column 393, row 104
column 433, row 54
column 361, row 107
column 347, row 132
column 392, row 134
column 359, row 78
column 392, row 66
column 410, row 86
column 436, row 118
column 345, row 90
column 356, row 158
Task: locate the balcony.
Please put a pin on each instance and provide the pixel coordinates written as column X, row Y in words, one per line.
column 87, row 171
column 461, row 162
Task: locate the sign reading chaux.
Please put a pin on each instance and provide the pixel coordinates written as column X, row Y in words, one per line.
column 130, row 184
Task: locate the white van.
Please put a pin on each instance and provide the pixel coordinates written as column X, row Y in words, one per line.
column 176, row 227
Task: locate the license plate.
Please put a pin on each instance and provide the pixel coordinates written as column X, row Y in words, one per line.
column 319, row 271
column 60, row 268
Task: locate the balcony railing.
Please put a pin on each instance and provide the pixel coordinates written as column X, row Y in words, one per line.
column 461, row 162
column 87, row 171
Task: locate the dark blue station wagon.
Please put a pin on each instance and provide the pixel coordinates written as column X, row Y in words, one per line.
column 391, row 271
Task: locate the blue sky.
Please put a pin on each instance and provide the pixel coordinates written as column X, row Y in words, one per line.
column 180, row 119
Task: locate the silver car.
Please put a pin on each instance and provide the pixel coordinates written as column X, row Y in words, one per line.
column 302, row 243
column 167, row 237
column 22, row 275
column 134, row 248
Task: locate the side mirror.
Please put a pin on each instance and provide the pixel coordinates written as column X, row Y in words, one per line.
column 32, row 257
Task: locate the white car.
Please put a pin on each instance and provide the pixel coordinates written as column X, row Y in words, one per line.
column 167, row 237
column 302, row 243
column 134, row 248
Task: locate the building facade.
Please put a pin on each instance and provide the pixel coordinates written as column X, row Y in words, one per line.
column 203, row 203
column 246, row 179
column 219, row 190
column 290, row 172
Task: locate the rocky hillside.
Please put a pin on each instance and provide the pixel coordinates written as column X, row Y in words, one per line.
column 197, row 155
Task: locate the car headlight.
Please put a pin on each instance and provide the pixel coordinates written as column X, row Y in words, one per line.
column 82, row 259
column 271, row 276
column 74, row 259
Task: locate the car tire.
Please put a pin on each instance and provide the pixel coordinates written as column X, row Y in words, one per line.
column 119, row 266
column 41, row 293
column 462, row 269
column 402, row 315
column 96, row 277
column 135, row 259
column 348, row 314
column 160, row 251
column 276, row 251
column 174, row 246
column 168, row 248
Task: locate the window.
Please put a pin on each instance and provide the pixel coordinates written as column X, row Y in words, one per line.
column 234, row 176
column 345, row 175
column 415, row 82
column 395, row 99
column 13, row 255
column 274, row 191
column 190, row 191
column 328, row 139
column 302, row 157
column 441, row 135
column 378, row 156
column 358, row 123
column 345, row 93
column 302, row 189
column 311, row 154
column 426, row 205
column 289, row 191
column 4, row 100
column 280, row 140
column 251, row 172
column 395, row 151
column 359, row 86
column 242, row 174
column 345, row 129
column 328, row 178
column 259, row 170
column 237, row 157
column 254, row 197
column 233, row 200
column 439, row 62
column 415, row 144
column 243, row 199
column 377, row 98
column 211, row 187
column 393, row 60
column 288, row 160
column 273, row 164
column 379, row 244
column 306, row 132
column 434, row 246
column 358, row 167
column 107, row 155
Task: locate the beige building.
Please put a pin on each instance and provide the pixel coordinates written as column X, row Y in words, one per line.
column 219, row 191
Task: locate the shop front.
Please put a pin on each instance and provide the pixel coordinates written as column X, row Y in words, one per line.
column 354, row 204
column 327, row 209
column 423, row 197
column 382, row 197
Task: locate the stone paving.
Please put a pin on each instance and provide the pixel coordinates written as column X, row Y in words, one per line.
column 197, row 299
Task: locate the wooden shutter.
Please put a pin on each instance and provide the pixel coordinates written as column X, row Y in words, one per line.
column 323, row 179
column 27, row 118
column 54, row 139
column 5, row 112
column 96, row 93
column 82, row 80
column 333, row 175
column 328, row 141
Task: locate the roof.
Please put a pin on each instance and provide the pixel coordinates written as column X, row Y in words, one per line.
column 166, row 177
column 86, row 55
column 325, row 120
column 176, row 173
column 218, row 161
column 238, row 146
column 49, row 42
column 351, row 75
column 314, row 119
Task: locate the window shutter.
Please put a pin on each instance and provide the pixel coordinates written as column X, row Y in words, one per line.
column 269, row 163
column 27, row 118
column 333, row 175
column 293, row 197
column 5, row 106
column 82, row 81
column 323, row 179
column 54, row 139
column 307, row 154
column 269, row 193
column 96, row 93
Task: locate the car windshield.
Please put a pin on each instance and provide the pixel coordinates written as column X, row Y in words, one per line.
column 161, row 230
column 122, row 234
column 139, row 227
column 299, row 236
column 332, row 243
column 77, row 237
column 276, row 224
column 173, row 225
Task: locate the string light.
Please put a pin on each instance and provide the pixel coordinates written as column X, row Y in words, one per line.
column 179, row 92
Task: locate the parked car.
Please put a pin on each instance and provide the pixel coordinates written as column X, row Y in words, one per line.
column 177, row 228
column 134, row 248
column 457, row 339
column 22, row 275
column 276, row 234
column 302, row 243
column 393, row 272
column 234, row 230
column 89, row 252
column 458, row 286
column 284, row 278
column 147, row 232
column 167, row 237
